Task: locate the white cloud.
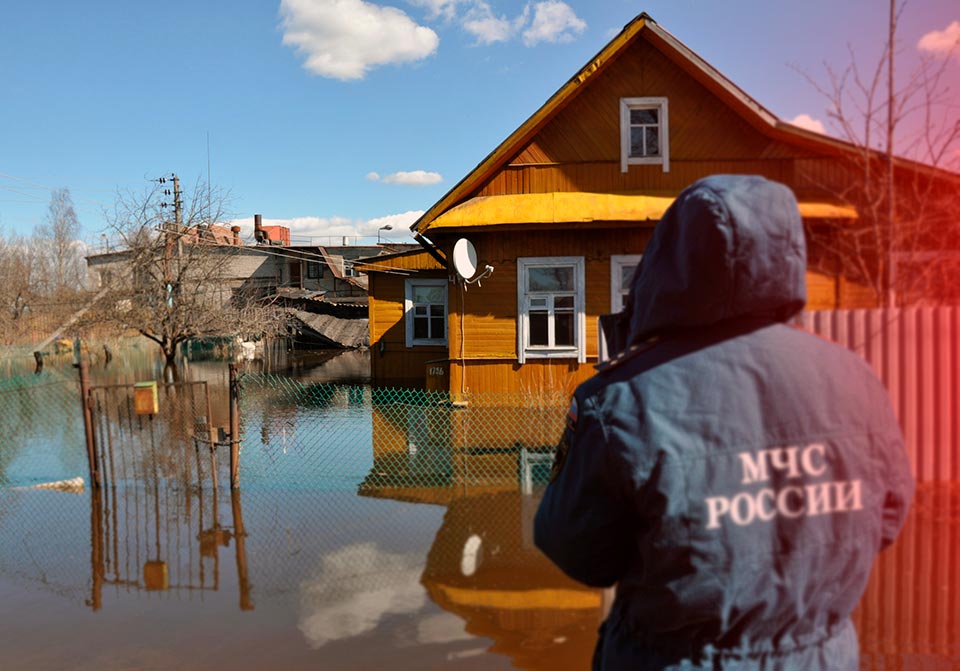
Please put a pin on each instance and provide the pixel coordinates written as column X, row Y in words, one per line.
column 553, row 21
column 397, row 221
column 942, row 43
column 446, row 9
column 332, row 230
column 343, row 39
column 411, row 178
column 373, row 176
column 354, row 589
column 809, row 123
column 482, row 23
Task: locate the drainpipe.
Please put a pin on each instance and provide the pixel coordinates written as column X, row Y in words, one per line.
column 431, row 249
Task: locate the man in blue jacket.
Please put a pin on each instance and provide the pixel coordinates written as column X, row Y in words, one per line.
column 734, row 476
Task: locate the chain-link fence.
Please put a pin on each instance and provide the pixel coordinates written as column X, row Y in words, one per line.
column 41, row 442
column 359, row 509
column 41, row 429
column 396, row 443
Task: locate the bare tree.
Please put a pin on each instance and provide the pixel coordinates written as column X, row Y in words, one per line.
column 18, row 286
column 904, row 248
column 59, row 239
column 171, row 280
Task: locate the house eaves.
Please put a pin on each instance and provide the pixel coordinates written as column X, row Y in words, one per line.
column 572, row 209
column 402, row 263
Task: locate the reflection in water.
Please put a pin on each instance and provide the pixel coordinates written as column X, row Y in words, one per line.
column 153, row 539
column 431, row 566
column 484, row 567
column 355, row 588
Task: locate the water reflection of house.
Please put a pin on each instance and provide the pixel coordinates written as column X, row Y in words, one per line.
column 430, row 451
column 484, row 567
column 563, row 208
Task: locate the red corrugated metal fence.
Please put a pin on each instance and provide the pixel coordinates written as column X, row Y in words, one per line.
column 915, row 353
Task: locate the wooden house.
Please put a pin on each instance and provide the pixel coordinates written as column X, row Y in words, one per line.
column 562, row 209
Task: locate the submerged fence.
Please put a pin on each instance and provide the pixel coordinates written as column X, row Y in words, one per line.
column 415, row 438
column 332, row 478
column 41, row 430
column 396, row 443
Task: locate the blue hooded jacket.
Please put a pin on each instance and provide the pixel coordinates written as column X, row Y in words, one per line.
column 734, row 476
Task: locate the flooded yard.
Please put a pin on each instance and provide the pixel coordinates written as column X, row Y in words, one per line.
column 352, row 543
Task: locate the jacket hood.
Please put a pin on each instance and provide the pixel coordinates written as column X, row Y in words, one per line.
column 729, row 246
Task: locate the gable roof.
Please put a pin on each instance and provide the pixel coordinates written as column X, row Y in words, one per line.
column 748, row 108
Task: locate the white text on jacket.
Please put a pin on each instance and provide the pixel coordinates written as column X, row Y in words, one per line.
column 796, row 500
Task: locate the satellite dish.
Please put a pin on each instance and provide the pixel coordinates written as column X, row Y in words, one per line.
column 464, row 258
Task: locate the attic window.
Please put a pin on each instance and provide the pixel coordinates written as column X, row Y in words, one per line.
column 644, row 135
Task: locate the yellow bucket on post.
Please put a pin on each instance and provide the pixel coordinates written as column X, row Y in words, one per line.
column 156, row 576
column 145, row 398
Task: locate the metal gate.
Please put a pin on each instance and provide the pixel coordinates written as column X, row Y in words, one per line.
column 169, row 433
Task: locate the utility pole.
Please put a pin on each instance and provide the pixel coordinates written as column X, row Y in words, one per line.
column 890, row 274
column 172, row 234
column 178, row 218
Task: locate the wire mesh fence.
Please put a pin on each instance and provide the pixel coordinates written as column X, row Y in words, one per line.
column 171, row 437
column 41, row 429
column 396, row 443
column 358, row 507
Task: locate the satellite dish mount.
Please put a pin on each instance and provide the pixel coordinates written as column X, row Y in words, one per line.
column 465, row 263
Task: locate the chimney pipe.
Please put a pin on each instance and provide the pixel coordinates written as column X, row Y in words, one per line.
column 258, row 233
column 236, row 234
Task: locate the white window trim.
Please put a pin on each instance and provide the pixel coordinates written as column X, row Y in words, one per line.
column 408, row 311
column 617, row 261
column 579, row 350
column 658, row 103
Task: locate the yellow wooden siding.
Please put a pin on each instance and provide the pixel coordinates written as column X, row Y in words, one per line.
column 506, row 376
column 490, row 321
column 600, row 177
column 702, row 127
column 487, row 313
column 856, row 295
column 392, row 363
column 417, row 260
column 821, row 291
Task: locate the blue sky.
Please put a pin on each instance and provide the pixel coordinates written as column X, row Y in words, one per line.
column 340, row 116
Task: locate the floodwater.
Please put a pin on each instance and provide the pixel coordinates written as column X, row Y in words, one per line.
column 306, row 567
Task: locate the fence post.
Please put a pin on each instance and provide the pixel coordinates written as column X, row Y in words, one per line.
column 88, row 424
column 234, row 427
column 240, row 540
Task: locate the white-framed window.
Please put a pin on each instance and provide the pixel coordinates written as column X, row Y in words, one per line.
column 644, row 132
column 425, row 310
column 551, row 318
column 621, row 272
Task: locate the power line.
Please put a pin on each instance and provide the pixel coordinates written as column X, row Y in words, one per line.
column 49, row 188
